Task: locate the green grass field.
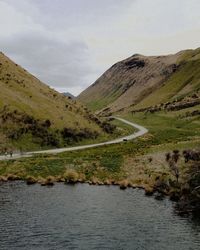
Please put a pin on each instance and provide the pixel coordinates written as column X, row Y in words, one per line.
column 167, row 131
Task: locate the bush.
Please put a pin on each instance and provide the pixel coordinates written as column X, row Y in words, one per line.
column 71, row 176
column 172, row 160
column 190, row 192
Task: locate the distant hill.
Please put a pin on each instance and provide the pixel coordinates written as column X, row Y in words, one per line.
column 143, row 81
column 69, row 95
column 32, row 114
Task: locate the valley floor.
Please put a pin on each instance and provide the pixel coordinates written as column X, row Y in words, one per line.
column 141, row 131
column 137, row 163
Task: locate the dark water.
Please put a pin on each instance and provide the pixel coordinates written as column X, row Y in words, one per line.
column 90, row 217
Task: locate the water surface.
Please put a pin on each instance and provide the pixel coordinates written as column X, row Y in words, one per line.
column 90, row 217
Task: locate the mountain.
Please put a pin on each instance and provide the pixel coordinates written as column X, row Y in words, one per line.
column 32, row 114
column 68, row 95
column 139, row 82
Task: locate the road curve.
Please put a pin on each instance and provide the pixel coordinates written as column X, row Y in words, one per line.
column 141, row 131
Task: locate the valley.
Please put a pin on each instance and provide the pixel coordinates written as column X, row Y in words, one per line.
column 100, row 125
column 169, row 112
column 34, row 116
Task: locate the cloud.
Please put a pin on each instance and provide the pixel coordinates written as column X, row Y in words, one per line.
column 60, row 62
column 53, row 61
column 68, row 44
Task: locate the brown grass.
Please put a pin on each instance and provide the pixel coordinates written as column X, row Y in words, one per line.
column 71, row 176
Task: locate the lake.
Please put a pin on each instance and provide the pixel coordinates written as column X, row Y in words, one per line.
column 90, row 217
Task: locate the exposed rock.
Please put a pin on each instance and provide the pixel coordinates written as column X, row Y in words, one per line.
column 183, row 105
column 135, row 63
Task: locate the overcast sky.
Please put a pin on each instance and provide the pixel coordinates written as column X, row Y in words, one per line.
column 68, row 44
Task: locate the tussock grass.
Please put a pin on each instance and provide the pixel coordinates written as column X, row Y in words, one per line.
column 71, row 176
column 31, row 180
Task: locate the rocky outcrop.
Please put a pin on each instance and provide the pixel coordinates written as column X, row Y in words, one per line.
column 173, row 106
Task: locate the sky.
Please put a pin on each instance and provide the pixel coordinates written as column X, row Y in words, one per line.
column 68, row 44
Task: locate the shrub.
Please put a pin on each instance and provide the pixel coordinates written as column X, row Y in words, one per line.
column 172, row 160
column 71, row 176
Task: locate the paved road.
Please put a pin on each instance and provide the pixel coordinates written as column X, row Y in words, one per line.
column 141, row 131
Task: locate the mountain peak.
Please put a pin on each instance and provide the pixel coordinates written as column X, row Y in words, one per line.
column 137, row 80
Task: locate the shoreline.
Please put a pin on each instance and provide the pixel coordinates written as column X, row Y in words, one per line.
column 122, row 185
column 182, row 206
column 51, row 181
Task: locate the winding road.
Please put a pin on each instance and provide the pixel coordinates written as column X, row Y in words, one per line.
column 141, row 131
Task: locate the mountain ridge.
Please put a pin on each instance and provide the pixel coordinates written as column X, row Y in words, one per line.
column 130, row 82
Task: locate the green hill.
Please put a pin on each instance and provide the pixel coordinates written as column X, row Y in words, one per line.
column 32, row 114
column 140, row 82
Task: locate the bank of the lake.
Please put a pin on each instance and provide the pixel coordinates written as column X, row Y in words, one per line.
column 109, row 166
column 90, row 217
column 137, row 163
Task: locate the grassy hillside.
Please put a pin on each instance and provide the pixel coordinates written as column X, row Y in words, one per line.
column 32, row 114
column 185, row 81
column 140, row 82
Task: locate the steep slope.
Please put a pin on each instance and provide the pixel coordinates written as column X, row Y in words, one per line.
column 181, row 84
column 141, row 81
column 34, row 113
